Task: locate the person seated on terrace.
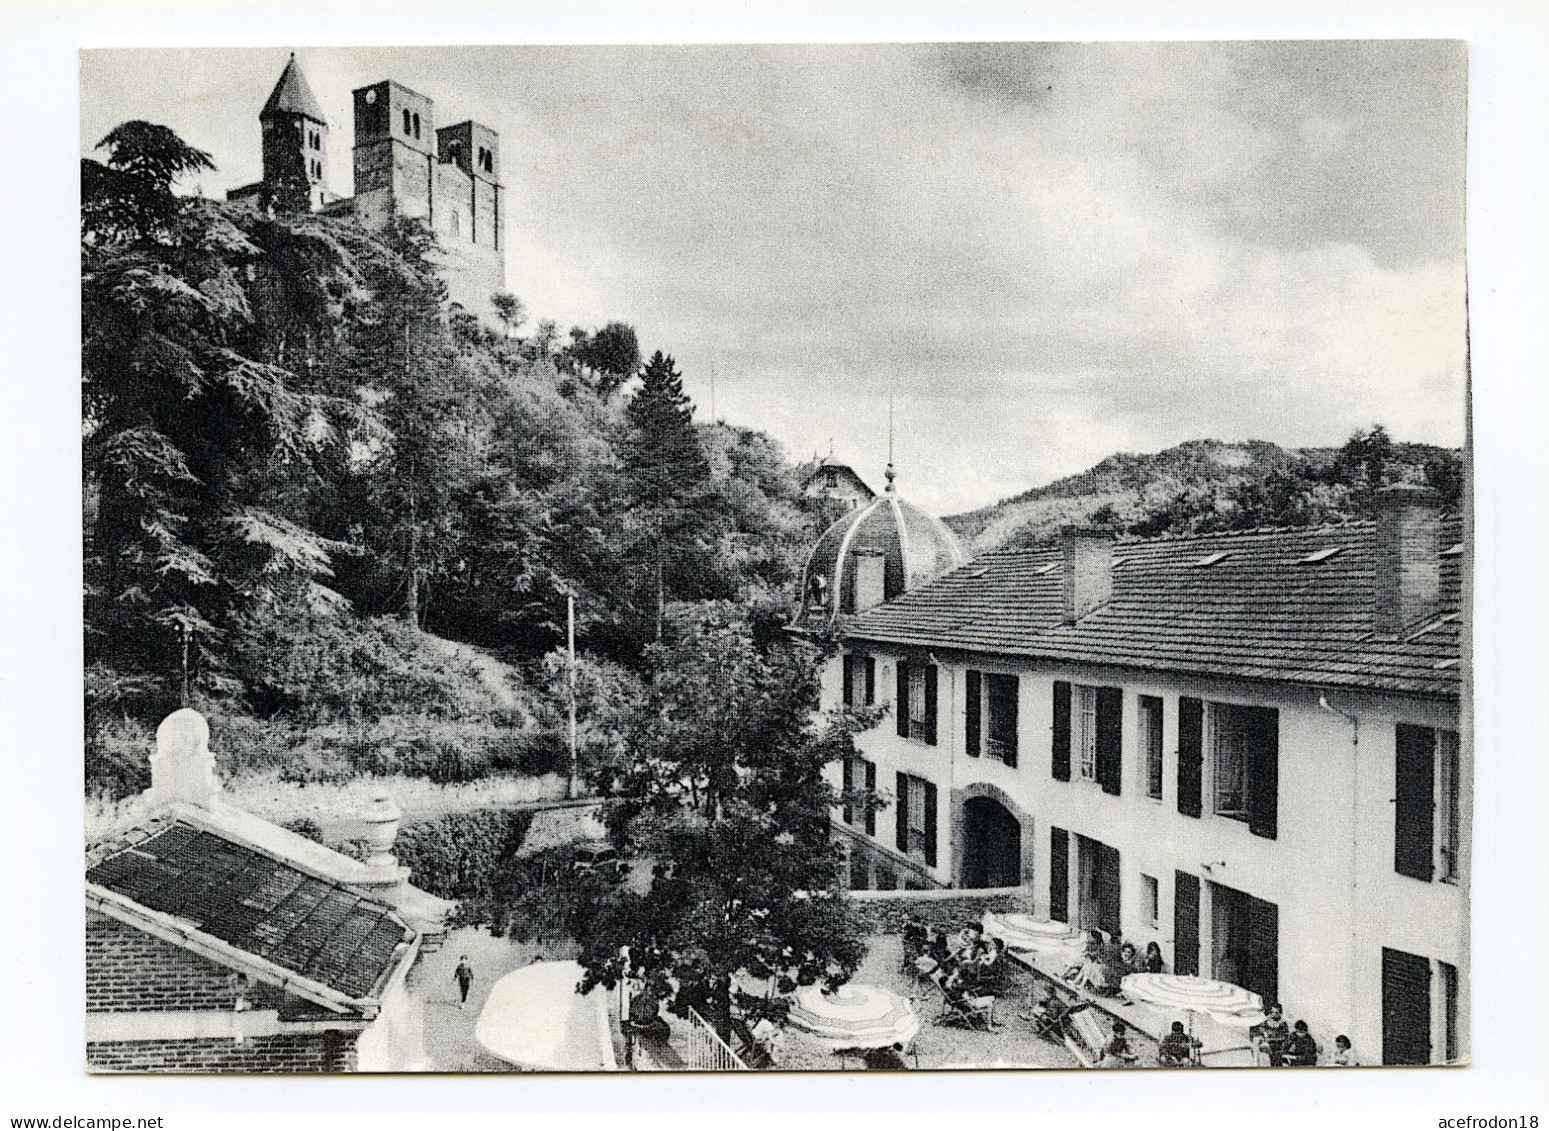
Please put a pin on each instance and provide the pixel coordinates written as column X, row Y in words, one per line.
column 1272, row 1036
column 1176, row 1049
column 1302, row 1050
column 1128, row 959
column 1118, row 1049
column 1152, row 962
column 1343, row 1055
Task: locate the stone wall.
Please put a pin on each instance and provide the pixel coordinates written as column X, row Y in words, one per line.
column 330, row 1051
column 886, row 912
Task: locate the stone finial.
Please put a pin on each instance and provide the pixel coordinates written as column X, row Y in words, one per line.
column 380, row 822
column 182, row 768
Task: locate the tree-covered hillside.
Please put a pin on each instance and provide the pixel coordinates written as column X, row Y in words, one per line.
column 303, row 466
column 1207, row 485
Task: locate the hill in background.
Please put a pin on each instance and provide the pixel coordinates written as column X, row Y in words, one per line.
column 1209, row 485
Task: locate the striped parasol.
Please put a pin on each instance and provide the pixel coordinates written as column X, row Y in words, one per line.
column 1042, row 936
column 1226, row 1003
column 855, row 1016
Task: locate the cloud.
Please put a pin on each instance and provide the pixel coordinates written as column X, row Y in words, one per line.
column 1044, row 253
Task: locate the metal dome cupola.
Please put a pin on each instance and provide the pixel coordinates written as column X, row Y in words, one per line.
column 875, row 552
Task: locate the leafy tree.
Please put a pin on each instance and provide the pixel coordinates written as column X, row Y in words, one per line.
column 723, row 793
column 197, row 432
column 666, row 471
column 613, row 354
column 511, row 311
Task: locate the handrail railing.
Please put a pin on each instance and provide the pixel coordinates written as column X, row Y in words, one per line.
column 706, row 1051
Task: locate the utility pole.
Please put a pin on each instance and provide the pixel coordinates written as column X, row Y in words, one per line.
column 570, row 634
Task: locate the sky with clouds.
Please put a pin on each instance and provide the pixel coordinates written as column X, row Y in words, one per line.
column 1043, row 253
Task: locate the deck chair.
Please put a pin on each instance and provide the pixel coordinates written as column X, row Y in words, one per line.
column 1048, row 1019
column 968, row 1011
column 1084, row 1036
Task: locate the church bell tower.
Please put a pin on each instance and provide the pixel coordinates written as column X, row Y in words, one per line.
column 295, row 144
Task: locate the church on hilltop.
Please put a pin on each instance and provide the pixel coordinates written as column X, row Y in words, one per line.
column 404, row 166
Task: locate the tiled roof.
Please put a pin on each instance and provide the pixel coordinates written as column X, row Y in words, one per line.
column 292, row 95
column 320, row 929
column 1259, row 612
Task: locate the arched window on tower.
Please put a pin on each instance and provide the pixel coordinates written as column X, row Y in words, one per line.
column 456, row 223
column 407, row 125
column 416, row 127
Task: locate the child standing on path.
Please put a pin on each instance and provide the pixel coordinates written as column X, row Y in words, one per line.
column 464, row 976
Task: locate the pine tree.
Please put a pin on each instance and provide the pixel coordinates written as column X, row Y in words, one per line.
column 667, row 472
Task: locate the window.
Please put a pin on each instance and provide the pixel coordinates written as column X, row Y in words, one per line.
column 416, row 127
column 916, row 818
column 1150, row 900
column 1245, row 765
column 860, row 680
column 1088, row 721
column 408, row 126
column 1151, row 744
column 990, row 722
column 1083, row 738
column 455, row 223
column 1426, row 817
column 860, row 777
column 916, row 701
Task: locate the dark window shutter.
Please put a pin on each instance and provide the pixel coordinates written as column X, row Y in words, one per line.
column 901, row 700
column 1061, row 744
column 930, row 704
column 930, row 823
column 901, row 837
column 1406, row 1008
column 871, row 680
column 871, row 798
column 1414, row 802
column 1059, row 875
column 1264, row 774
column 849, row 676
column 1110, row 739
column 973, row 716
column 1007, row 714
column 1191, row 749
column 849, row 786
column 1185, row 923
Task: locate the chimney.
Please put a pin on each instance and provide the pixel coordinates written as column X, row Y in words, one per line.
column 182, row 768
column 1408, row 558
column 1088, row 569
column 870, row 579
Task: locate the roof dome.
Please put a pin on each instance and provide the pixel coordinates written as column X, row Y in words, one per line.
column 875, row 552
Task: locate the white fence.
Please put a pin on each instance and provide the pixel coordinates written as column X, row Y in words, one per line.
column 706, row 1051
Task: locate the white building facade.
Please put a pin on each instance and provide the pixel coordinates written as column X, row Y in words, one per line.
column 1221, row 744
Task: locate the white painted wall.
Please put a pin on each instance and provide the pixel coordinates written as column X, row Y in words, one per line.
column 1329, row 870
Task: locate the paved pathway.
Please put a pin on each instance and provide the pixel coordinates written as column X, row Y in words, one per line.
column 449, row 1042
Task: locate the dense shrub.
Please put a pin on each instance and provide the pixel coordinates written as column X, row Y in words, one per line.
column 307, row 827
column 460, row 855
column 316, row 667
column 118, row 758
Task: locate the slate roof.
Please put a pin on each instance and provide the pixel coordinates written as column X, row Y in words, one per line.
column 292, row 95
column 1260, row 612
column 320, row 929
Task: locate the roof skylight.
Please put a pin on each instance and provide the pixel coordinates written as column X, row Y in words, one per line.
column 1453, row 551
column 1212, row 559
column 1050, row 568
column 1322, row 555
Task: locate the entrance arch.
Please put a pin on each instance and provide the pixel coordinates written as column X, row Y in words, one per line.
column 992, row 844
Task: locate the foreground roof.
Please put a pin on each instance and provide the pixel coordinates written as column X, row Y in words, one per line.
column 1262, row 611
column 219, row 889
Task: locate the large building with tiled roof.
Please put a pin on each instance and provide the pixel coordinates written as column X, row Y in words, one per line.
column 404, row 166
column 1246, row 747
column 218, row 942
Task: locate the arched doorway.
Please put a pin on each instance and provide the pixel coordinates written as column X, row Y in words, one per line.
column 992, row 845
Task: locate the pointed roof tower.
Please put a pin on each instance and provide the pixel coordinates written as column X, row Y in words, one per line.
column 292, row 95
